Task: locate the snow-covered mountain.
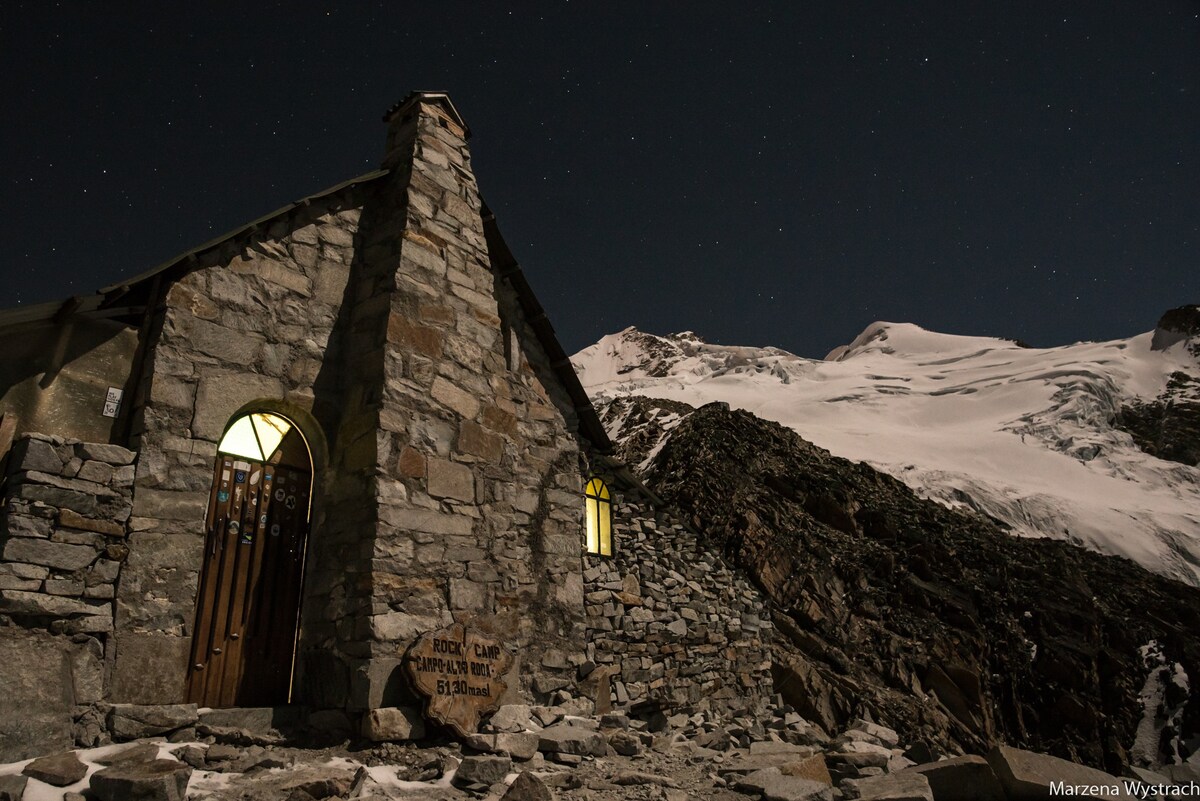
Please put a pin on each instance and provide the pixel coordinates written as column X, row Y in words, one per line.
column 1023, row 435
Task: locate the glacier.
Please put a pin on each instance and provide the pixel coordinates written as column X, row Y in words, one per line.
column 1022, row 435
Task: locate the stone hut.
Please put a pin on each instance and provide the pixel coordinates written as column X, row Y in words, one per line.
column 255, row 475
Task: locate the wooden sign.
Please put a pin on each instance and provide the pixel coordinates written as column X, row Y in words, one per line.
column 461, row 672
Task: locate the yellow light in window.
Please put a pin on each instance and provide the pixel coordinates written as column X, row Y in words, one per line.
column 239, row 440
column 605, row 515
column 598, row 518
column 255, row 436
column 271, row 431
column 593, row 529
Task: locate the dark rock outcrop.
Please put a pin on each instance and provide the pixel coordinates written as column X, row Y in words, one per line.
column 1176, row 325
column 929, row 619
column 1169, row 426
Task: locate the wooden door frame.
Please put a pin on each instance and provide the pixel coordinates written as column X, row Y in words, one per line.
column 314, row 440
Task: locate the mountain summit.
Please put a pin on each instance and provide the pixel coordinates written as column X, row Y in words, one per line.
column 1064, row 442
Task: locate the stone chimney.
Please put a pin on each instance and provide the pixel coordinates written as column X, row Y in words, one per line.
column 402, row 123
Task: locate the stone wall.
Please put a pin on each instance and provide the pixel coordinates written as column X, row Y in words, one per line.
column 671, row 621
column 62, row 533
column 62, row 544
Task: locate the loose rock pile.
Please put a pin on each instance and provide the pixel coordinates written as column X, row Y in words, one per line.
column 957, row 633
column 531, row 753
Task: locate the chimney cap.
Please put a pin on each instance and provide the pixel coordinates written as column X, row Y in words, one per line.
column 439, row 98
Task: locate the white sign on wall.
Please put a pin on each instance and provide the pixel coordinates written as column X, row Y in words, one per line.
column 112, row 401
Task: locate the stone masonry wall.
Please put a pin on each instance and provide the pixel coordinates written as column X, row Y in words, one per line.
column 62, row 533
column 63, row 511
column 477, row 477
column 671, row 621
column 257, row 321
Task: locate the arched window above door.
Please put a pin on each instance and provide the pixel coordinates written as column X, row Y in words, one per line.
column 265, row 437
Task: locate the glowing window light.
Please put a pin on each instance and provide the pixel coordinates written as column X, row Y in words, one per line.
column 255, row 436
column 598, row 513
column 239, row 440
column 271, row 431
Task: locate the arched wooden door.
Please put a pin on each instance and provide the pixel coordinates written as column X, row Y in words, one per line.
column 248, row 605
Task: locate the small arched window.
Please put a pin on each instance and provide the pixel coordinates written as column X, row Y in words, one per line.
column 599, row 518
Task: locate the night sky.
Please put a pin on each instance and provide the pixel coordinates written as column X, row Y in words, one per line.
column 761, row 173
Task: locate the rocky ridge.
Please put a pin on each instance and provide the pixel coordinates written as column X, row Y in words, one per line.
column 935, row 620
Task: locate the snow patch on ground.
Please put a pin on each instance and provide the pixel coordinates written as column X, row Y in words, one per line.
column 37, row 790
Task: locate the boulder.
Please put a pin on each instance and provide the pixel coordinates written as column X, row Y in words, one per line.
column 59, row 770
column 965, row 778
column 773, row 785
column 717, row 740
column 221, row 752
column 881, row 735
column 811, row 768
column 518, row 745
column 568, row 738
column 193, row 755
column 527, row 787
column 393, row 724
column 36, row 455
column 1146, row 776
column 860, row 759
column 1182, row 774
column 135, row 721
column 1026, row 775
column 482, row 770
column 160, row 780
column 895, row 787
column 112, row 454
column 625, row 743
column 513, row 718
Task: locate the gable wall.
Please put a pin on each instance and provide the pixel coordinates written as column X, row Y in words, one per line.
column 448, row 478
column 254, row 320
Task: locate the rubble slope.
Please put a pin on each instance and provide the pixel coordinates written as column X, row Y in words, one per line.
column 933, row 619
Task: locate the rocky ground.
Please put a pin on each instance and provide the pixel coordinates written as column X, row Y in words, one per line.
column 539, row 754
